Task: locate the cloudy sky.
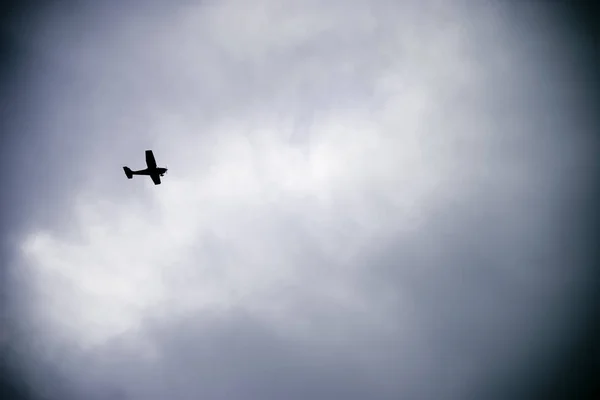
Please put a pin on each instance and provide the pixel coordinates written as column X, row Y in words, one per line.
column 366, row 199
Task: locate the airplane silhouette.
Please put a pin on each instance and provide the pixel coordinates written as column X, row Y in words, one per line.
column 153, row 171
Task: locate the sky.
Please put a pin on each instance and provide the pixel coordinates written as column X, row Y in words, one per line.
column 365, row 199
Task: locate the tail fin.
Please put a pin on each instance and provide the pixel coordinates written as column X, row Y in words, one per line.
column 128, row 172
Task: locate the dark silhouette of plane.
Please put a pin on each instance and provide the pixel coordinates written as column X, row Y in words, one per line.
column 153, row 171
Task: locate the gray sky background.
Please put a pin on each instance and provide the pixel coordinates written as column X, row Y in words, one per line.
column 365, row 199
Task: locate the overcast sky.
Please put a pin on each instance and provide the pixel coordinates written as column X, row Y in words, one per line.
column 365, row 199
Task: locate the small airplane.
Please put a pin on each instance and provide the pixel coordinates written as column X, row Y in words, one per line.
column 152, row 170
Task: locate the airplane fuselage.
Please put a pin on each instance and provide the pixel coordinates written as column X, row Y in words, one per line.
column 150, row 171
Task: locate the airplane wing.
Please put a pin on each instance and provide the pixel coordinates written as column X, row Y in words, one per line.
column 155, row 178
column 150, row 161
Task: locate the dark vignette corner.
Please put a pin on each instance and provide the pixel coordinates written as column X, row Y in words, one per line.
column 578, row 375
column 12, row 386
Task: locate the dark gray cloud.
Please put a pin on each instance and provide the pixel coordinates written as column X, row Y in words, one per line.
column 364, row 200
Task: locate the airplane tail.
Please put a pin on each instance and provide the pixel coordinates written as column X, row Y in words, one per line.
column 128, row 172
